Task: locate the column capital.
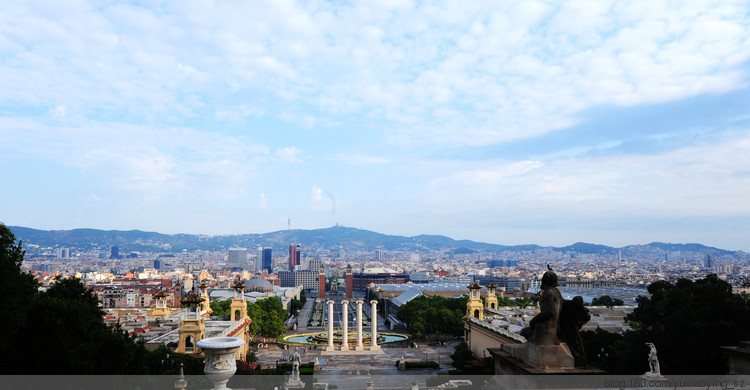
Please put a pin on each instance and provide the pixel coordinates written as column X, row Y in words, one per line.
column 374, row 302
column 344, row 302
column 359, row 302
column 329, row 302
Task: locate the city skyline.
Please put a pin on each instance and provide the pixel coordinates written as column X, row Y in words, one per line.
column 512, row 123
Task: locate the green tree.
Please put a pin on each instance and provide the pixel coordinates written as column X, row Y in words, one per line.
column 433, row 315
column 462, row 355
column 606, row 300
column 272, row 326
column 296, row 305
column 221, row 308
column 17, row 289
column 689, row 321
column 268, row 317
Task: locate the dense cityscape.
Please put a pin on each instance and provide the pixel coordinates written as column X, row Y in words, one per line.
column 379, row 195
column 437, row 303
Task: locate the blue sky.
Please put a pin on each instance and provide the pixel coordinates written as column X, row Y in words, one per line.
column 511, row 122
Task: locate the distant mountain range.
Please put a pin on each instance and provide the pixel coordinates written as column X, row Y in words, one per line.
column 337, row 236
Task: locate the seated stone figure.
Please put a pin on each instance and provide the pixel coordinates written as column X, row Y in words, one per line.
column 573, row 315
column 542, row 329
column 558, row 320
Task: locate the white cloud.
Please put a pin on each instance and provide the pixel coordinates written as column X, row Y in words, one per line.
column 316, row 194
column 289, row 154
column 239, row 113
column 361, row 159
column 508, row 69
column 163, row 162
column 697, row 180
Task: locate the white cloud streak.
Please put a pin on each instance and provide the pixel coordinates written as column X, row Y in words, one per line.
column 471, row 73
column 162, row 162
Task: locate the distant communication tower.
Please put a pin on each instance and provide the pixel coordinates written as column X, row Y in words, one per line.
column 289, row 221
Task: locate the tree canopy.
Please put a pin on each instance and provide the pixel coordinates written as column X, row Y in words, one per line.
column 268, row 315
column 687, row 321
column 62, row 330
column 606, row 300
column 434, row 315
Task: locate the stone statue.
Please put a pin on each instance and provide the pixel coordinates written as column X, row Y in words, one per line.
column 295, row 359
column 558, row 320
column 573, row 315
column 653, row 361
column 542, row 329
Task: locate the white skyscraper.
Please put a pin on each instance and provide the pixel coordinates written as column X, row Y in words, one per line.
column 237, row 257
column 259, row 260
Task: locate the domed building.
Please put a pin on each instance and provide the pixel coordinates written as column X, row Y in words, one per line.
column 258, row 284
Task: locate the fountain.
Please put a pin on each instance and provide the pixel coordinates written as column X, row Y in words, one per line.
column 322, row 338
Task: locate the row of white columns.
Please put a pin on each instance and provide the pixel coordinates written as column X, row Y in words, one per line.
column 345, row 327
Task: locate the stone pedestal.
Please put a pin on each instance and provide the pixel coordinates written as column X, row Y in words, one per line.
column 542, row 356
column 220, row 359
column 513, row 368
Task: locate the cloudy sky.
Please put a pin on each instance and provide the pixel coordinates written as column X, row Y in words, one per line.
column 507, row 122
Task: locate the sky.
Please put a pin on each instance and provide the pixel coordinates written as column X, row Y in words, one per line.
column 509, row 122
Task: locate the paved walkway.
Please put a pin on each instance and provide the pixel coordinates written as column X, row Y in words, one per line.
column 304, row 314
column 350, row 364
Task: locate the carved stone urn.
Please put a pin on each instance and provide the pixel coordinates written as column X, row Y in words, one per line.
column 220, row 359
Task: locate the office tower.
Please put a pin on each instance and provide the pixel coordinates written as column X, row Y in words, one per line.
column 349, row 281
column 114, row 252
column 267, row 260
column 264, row 261
column 378, row 255
column 294, row 256
column 157, row 264
column 314, row 264
column 237, row 257
column 708, row 262
column 259, row 260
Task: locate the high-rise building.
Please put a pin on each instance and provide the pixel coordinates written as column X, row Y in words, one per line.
column 259, row 260
column 708, row 262
column 264, row 260
column 378, row 254
column 294, row 256
column 314, row 264
column 157, row 264
column 114, row 252
column 237, row 257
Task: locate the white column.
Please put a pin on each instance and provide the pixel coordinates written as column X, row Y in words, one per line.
column 360, row 346
column 345, row 326
column 330, row 326
column 374, row 333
